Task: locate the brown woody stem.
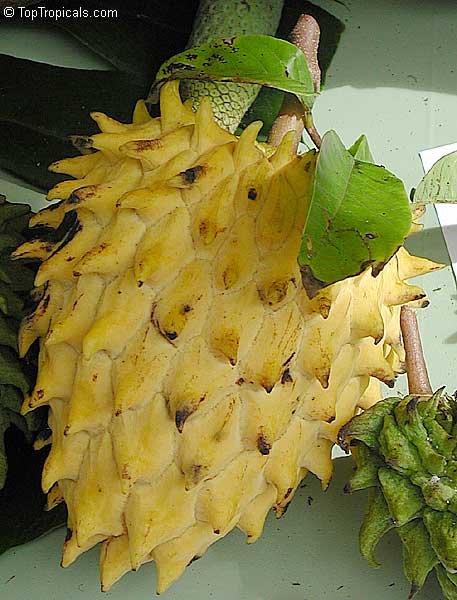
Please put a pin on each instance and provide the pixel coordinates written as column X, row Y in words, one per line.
column 293, row 115
column 416, row 368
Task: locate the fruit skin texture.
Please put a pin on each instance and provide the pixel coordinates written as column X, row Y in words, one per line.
column 405, row 451
column 191, row 382
column 221, row 19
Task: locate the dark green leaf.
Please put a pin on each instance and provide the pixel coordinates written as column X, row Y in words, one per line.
column 441, row 527
column 377, row 522
column 359, row 215
column 19, row 276
column 366, row 473
column 65, row 93
column 418, row 556
column 10, row 303
column 11, row 397
column 360, row 150
column 7, row 418
column 260, row 59
column 144, row 38
column 367, row 426
column 8, row 332
column 404, row 499
column 11, row 371
column 22, row 514
column 31, row 153
column 440, row 183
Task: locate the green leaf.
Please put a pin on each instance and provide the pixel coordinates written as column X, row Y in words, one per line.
column 146, row 34
column 439, row 184
column 8, row 332
column 418, row 556
column 359, row 215
column 11, row 371
column 7, row 418
column 259, row 59
column 377, row 522
column 66, row 111
column 11, row 398
column 360, row 150
column 39, row 124
column 22, row 514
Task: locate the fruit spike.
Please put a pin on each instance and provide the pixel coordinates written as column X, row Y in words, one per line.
column 405, row 453
column 197, row 383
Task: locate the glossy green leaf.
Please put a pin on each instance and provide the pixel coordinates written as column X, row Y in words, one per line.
column 439, row 184
column 418, row 556
column 358, row 217
column 259, row 59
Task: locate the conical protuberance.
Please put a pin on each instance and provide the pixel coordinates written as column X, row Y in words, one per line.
column 191, row 382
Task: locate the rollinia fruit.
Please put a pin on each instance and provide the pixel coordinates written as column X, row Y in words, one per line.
column 191, row 382
column 405, row 450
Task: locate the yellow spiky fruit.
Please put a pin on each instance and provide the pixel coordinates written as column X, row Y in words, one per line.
column 191, row 381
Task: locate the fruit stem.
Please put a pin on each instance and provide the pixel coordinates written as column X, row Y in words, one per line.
column 416, row 368
column 293, row 115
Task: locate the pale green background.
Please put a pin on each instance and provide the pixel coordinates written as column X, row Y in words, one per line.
column 394, row 78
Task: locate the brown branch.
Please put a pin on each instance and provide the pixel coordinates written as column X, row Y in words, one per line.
column 305, row 35
column 293, row 115
column 416, row 368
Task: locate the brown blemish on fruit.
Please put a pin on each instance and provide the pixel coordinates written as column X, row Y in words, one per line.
column 181, row 417
column 286, row 377
column 39, row 394
column 239, row 381
column 94, row 377
column 288, row 493
column 263, row 445
column 252, row 193
column 189, row 176
column 143, row 145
